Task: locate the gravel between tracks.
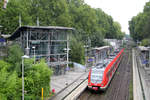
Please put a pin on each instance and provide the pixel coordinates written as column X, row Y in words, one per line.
column 119, row 86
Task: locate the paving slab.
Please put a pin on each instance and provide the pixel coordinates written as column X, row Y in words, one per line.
column 145, row 79
column 64, row 84
column 137, row 89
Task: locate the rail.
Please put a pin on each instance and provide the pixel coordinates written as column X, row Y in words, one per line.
column 73, row 95
column 64, row 93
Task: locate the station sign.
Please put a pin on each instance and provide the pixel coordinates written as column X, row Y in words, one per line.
column 90, row 60
column 145, row 62
column 2, row 40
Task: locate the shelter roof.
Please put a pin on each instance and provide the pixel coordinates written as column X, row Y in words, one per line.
column 100, row 48
column 23, row 28
column 142, row 48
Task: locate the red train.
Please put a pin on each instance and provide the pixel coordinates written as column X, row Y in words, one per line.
column 100, row 76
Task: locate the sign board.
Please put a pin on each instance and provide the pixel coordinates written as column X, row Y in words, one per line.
column 2, row 40
column 90, row 60
column 145, row 62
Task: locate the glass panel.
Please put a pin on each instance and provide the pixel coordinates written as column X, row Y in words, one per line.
column 96, row 76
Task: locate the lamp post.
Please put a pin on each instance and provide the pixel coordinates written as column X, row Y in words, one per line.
column 67, row 49
column 34, row 54
column 0, row 36
column 149, row 56
column 0, row 29
column 23, row 57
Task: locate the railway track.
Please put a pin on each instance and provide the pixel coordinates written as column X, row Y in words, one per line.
column 119, row 86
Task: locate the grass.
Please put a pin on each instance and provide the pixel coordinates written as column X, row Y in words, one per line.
column 131, row 90
column 117, row 73
column 31, row 97
column 131, row 82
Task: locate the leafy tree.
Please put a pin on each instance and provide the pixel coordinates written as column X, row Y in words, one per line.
column 139, row 25
column 97, row 39
column 77, row 51
column 10, row 84
column 1, row 4
column 14, row 58
column 145, row 42
column 36, row 78
column 69, row 13
column 9, row 18
column 119, row 34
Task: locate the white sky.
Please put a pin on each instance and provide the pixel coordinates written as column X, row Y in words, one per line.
column 121, row 10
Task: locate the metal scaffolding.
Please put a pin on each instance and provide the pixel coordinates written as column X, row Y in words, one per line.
column 49, row 43
column 100, row 53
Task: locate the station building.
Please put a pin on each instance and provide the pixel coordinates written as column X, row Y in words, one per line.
column 48, row 42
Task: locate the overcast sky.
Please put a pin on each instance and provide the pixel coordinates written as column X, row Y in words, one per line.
column 121, row 10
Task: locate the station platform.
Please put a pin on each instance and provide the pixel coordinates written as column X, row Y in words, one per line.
column 145, row 78
column 141, row 78
column 65, row 84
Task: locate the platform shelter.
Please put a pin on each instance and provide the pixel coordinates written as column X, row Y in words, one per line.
column 48, row 42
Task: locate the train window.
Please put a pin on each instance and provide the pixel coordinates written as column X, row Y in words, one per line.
column 111, row 56
column 96, row 76
column 99, row 64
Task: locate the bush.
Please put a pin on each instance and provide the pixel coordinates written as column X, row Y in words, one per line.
column 14, row 58
column 10, row 84
column 37, row 77
column 145, row 42
column 77, row 51
column 29, row 97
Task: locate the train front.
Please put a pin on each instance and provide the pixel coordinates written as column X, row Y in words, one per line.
column 95, row 78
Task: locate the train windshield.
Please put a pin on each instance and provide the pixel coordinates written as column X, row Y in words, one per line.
column 99, row 64
column 97, row 75
column 112, row 56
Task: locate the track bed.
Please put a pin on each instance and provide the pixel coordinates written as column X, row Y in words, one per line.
column 119, row 86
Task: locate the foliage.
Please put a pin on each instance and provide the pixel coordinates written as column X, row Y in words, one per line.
column 14, row 58
column 69, row 13
column 145, row 42
column 1, row 4
column 139, row 25
column 117, row 27
column 77, row 51
column 36, row 78
column 10, row 84
column 97, row 39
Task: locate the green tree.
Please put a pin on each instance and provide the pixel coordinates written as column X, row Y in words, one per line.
column 145, row 42
column 97, row 39
column 36, row 78
column 14, row 58
column 119, row 34
column 10, row 84
column 77, row 51
column 139, row 25
column 69, row 13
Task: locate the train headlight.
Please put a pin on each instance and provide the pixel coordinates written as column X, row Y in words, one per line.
column 89, row 84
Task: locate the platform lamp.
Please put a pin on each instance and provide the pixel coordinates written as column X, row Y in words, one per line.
column 149, row 56
column 0, row 29
column 23, row 57
column 34, row 54
column 67, row 49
